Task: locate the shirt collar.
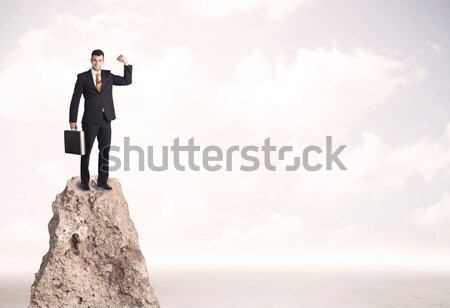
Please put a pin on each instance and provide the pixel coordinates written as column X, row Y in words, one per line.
column 95, row 73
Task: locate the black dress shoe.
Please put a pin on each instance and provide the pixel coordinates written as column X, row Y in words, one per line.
column 85, row 187
column 104, row 185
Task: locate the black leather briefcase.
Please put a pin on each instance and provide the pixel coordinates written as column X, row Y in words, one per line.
column 74, row 142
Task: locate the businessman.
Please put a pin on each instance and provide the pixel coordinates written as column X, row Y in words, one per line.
column 96, row 86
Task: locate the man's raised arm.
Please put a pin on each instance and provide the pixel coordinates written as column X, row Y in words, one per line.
column 127, row 73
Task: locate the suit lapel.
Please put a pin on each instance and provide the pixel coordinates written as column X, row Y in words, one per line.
column 90, row 80
column 103, row 75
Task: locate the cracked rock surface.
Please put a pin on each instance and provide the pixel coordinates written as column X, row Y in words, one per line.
column 94, row 258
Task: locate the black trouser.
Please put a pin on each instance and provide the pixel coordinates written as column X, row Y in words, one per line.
column 103, row 133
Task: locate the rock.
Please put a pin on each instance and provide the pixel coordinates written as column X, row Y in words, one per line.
column 94, row 258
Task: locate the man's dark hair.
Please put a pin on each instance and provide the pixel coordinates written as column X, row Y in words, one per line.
column 97, row 52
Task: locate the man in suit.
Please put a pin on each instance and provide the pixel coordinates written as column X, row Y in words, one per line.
column 96, row 86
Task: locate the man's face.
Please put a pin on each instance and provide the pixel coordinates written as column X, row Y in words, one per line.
column 97, row 62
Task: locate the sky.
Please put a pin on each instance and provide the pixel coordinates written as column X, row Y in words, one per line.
column 371, row 74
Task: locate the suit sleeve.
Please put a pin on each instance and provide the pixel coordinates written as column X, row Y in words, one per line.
column 126, row 79
column 73, row 112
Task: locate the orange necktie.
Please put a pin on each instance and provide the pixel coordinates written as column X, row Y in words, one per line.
column 98, row 82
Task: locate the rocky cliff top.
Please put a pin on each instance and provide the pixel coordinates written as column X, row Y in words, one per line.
column 94, row 259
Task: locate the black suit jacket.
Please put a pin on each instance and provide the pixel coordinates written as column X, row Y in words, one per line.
column 94, row 102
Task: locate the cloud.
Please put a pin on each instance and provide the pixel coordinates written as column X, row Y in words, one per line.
column 275, row 230
column 375, row 168
column 393, row 166
column 434, row 216
column 342, row 234
column 317, row 92
column 435, row 46
column 274, row 10
column 112, row 29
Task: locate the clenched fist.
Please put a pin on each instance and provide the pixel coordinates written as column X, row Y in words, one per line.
column 122, row 59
